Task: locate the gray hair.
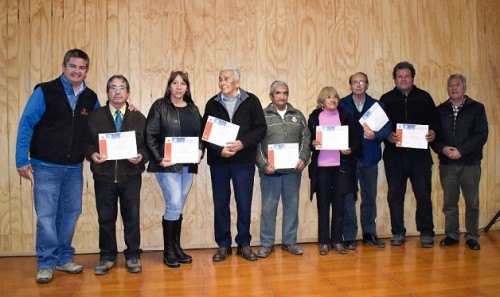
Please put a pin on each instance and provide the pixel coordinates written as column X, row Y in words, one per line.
column 275, row 84
column 459, row 76
column 234, row 69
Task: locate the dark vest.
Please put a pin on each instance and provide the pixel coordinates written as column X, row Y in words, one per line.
column 59, row 136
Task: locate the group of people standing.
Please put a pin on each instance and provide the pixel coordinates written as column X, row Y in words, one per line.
column 61, row 123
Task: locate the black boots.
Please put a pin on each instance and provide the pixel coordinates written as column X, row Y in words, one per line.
column 169, row 233
column 173, row 254
column 181, row 256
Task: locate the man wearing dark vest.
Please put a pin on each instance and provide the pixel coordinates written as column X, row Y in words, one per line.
column 49, row 146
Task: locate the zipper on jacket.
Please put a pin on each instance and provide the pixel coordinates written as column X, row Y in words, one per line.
column 71, row 133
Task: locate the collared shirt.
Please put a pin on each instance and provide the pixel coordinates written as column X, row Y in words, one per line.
column 360, row 106
column 72, row 95
column 230, row 103
column 123, row 109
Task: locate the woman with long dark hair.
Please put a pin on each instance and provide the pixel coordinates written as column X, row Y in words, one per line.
column 174, row 115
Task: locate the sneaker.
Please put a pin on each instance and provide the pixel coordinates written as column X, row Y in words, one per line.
column 339, row 248
column 44, row 276
column 104, row 267
column 134, row 265
column 265, row 251
column 293, row 249
column 70, row 267
column 323, row 249
column 398, row 240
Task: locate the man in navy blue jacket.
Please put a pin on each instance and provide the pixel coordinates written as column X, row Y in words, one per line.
column 357, row 103
column 459, row 143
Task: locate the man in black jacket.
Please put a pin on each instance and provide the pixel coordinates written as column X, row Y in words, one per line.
column 235, row 161
column 407, row 104
column 464, row 131
column 117, row 179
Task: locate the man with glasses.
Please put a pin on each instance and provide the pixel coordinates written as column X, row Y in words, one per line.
column 358, row 103
column 117, row 180
column 52, row 131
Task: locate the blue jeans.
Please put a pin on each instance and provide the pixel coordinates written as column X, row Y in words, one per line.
column 367, row 177
column 243, row 179
column 175, row 188
column 272, row 187
column 58, row 203
column 453, row 178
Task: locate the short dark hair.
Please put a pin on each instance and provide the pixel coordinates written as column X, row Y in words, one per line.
column 76, row 53
column 403, row 65
column 117, row 76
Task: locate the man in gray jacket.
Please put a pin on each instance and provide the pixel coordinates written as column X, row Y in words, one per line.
column 285, row 124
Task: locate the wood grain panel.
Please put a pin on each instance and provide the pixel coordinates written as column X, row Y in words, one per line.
column 309, row 44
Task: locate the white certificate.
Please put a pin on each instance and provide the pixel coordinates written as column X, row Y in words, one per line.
column 375, row 118
column 283, row 155
column 219, row 132
column 412, row 136
column 182, row 149
column 332, row 137
column 117, row 146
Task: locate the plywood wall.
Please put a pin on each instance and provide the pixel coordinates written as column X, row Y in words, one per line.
column 309, row 44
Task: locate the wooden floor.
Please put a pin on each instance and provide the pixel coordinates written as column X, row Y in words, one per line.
column 393, row 271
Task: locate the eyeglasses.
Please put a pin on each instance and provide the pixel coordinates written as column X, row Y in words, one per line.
column 358, row 82
column 117, row 88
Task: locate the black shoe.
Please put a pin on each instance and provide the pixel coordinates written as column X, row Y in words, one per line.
column 447, row 241
column 473, row 244
column 222, row 253
column 372, row 240
column 246, row 253
column 350, row 244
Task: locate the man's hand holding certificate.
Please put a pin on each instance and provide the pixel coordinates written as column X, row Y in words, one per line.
column 182, row 150
column 332, row 137
column 117, row 146
column 283, row 155
column 219, row 132
column 412, row 135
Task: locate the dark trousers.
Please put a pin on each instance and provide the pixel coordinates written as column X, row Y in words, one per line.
column 398, row 169
column 328, row 197
column 243, row 179
column 107, row 195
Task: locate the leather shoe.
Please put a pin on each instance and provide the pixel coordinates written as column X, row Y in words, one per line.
column 350, row 244
column 323, row 249
column 246, row 253
column 222, row 253
column 447, row 241
column 372, row 240
column 339, row 248
column 473, row 244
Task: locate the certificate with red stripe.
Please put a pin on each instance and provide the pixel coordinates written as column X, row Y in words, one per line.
column 219, row 132
column 283, row 155
column 183, row 150
column 117, row 146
